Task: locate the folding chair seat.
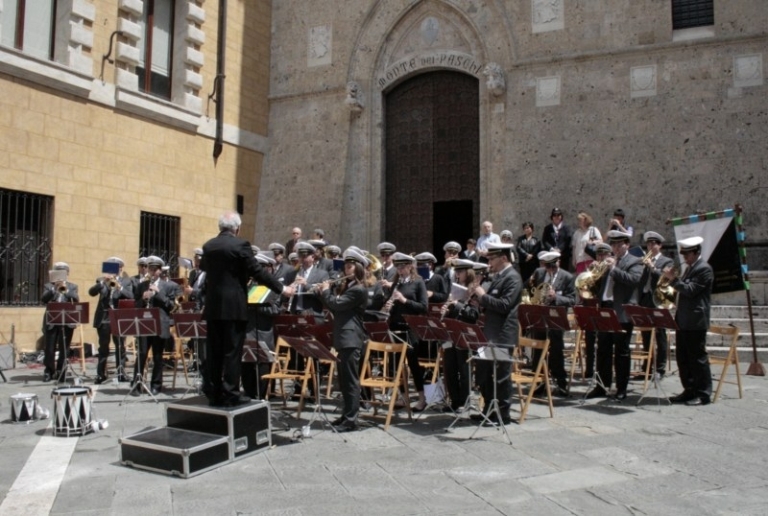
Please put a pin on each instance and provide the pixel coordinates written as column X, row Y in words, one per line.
column 732, row 357
column 381, row 379
column 532, row 378
column 281, row 372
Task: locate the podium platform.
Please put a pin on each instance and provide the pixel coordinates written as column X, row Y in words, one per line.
column 199, row 438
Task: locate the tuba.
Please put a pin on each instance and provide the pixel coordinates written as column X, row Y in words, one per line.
column 586, row 282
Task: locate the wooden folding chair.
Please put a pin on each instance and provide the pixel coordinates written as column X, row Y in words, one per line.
column 533, row 379
column 176, row 355
column 732, row 357
column 381, row 379
column 281, row 372
column 639, row 354
column 80, row 347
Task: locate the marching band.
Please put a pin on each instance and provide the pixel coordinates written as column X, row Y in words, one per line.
column 352, row 287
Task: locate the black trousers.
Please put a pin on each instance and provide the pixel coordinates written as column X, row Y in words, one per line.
column 661, row 348
column 613, row 352
column 105, row 335
column 157, row 344
column 251, row 373
column 349, row 381
column 693, row 363
column 484, row 377
column 590, row 338
column 457, row 378
column 57, row 338
column 556, row 356
column 224, row 351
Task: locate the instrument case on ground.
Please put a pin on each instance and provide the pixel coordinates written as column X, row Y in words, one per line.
column 247, row 426
column 173, row 451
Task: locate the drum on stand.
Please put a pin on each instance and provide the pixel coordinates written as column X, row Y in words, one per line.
column 71, row 410
column 23, row 407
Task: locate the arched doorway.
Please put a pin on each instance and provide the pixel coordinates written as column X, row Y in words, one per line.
column 432, row 161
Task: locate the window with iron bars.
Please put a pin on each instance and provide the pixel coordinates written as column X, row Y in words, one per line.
column 26, row 231
column 159, row 236
column 692, row 13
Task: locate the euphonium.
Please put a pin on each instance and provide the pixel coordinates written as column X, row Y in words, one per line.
column 539, row 294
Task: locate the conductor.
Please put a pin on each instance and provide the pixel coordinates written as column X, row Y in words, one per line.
column 229, row 264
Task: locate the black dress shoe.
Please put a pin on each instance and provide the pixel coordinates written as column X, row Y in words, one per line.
column 47, row 377
column 560, row 392
column 597, row 392
column 681, row 398
column 339, row 420
column 695, row 402
column 122, row 378
column 155, row 391
column 347, row 426
column 620, row 396
column 99, row 380
column 240, row 400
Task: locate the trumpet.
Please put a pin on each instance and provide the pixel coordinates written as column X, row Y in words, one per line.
column 646, row 260
column 61, row 287
column 113, row 284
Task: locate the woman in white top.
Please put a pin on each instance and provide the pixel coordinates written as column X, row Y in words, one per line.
column 586, row 234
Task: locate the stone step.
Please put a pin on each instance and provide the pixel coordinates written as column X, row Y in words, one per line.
column 738, row 312
column 760, row 325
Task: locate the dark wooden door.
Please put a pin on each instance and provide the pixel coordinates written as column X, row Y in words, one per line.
column 432, row 156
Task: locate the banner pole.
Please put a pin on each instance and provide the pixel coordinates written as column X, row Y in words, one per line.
column 755, row 368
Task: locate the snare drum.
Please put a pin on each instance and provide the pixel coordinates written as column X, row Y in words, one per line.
column 23, row 407
column 71, row 410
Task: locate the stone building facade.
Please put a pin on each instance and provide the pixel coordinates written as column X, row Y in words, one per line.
column 581, row 104
column 79, row 127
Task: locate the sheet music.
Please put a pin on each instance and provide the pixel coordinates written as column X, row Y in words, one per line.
column 459, row 292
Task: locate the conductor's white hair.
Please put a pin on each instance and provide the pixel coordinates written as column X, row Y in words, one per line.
column 229, row 221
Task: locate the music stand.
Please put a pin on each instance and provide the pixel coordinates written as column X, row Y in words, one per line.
column 594, row 318
column 428, row 329
column 136, row 322
column 542, row 317
column 66, row 314
column 192, row 326
column 257, row 351
column 311, row 349
column 468, row 337
column 653, row 318
column 378, row 331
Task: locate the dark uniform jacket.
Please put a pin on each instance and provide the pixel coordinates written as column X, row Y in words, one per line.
column 646, row 298
column 693, row 301
column 626, row 275
column 109, row 298
column 500, row 304
column 164, row 299
column 564, row 287
column 348, row 310
column 309, row 301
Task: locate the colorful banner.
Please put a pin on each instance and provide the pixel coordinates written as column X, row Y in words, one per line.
column 723, row 246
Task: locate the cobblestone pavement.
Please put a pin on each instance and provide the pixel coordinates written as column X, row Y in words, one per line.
column 601, row 457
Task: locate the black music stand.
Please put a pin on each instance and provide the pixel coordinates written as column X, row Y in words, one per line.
column 311, row 349
column 542, row 317
column 138, row 323
column 646, row 317
column 66, row 314
column 429, row 329
column 594, row 318
column 192, row 326
column 468, row 337
column 378, row 331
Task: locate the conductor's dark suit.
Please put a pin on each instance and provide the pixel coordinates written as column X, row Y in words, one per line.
column 349, row 337
column 229, row 264
column 693, row 306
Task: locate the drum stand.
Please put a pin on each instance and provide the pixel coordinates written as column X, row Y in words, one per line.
column 493, row 406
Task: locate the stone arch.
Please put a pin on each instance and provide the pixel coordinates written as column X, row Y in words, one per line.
column 387, row 39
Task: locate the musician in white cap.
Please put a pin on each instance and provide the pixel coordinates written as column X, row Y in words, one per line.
column 619, row 288
column 654, row 264
column 57, row 337
column 388, row 269
column 110, row 289
column 694, row 290
column 558, row 289
column 437, row 286
column 499, row 303
column 347, row 302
